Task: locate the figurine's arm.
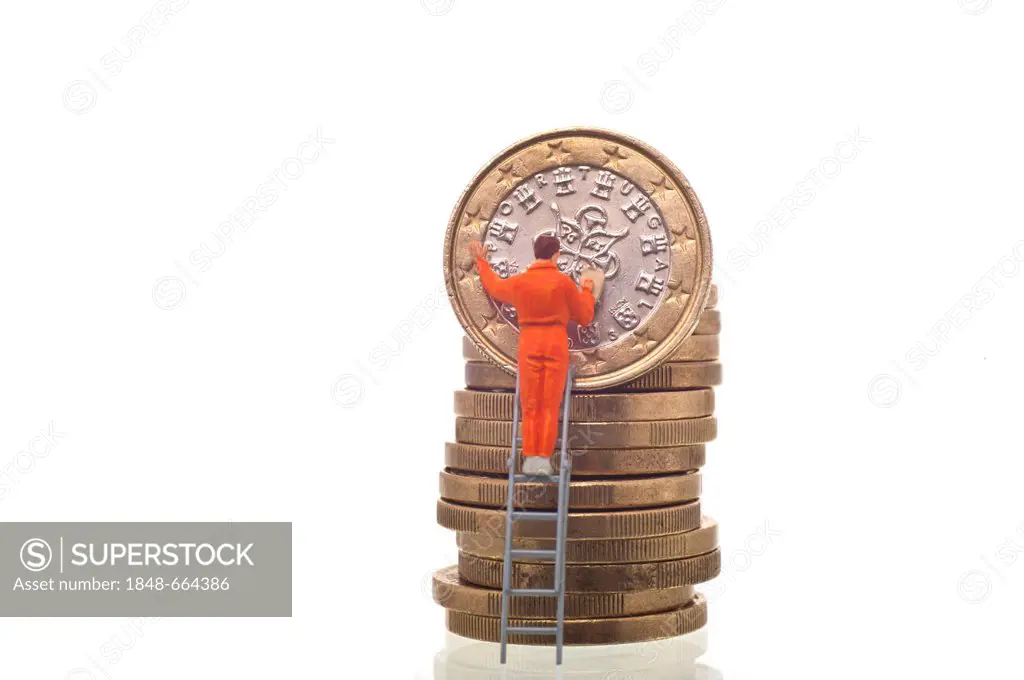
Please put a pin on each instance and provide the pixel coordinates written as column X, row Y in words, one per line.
column 498, row 288
column 581, row 301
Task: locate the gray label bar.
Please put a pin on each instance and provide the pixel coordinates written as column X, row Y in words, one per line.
column 145, row 569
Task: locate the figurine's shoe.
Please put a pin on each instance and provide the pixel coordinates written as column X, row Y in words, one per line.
column 537, row 465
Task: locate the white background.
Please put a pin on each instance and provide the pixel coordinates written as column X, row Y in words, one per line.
column 893, row 483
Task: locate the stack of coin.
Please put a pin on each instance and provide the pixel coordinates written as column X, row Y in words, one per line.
column 637, row 541
column 641, row 410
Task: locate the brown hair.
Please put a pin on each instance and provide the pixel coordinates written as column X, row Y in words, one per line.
column 545, row 246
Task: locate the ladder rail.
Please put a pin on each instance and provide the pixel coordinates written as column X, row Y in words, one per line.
column 564, row 471
column 506, row 576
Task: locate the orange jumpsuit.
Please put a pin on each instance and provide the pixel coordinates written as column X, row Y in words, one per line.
column 545, row 300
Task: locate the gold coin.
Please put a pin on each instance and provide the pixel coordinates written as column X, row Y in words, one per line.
column 671, row 519
column 589, row 435
column 693, row 348
column 592, row 462
column 632, row 210
column 601, row 578
column 592, row 494
column 675, row 375
column 597, row 407
column 712, row 297
column 602, row 551
column 697, row 348
column 457, row 594
column 669, row 376
column 667, row 624
column 710, row 323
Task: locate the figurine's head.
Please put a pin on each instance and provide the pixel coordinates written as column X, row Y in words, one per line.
column 546, row 247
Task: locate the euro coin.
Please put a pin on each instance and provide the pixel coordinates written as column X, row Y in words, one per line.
column 584, row 494
column 452, row 592
column 671, row 519
column 615, row 204
column 604, row 631
column 585, row 462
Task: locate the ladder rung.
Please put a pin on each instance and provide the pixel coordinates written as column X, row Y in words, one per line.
column 533, row 514
column 533, row 553
column 545, row 479
column 533, row 630
column 534, row 592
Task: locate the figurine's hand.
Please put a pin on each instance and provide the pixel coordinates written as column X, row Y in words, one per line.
column 595, row 277
column 476, row 249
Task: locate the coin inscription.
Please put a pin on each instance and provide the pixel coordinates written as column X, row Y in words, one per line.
column 603, row 220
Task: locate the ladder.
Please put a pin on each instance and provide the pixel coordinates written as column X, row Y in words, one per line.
column 560, row 517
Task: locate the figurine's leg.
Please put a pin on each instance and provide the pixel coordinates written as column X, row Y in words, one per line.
column 530, row 385
column 555, row 370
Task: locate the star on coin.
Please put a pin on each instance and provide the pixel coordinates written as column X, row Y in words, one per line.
column 642, row 341
column 595, row 359
column 660, row 189
column 491, row 324
column 615, row 156
column 473, row 219
column 508, row 176
column 676, row 299
column 677, row 245
column 559, row 151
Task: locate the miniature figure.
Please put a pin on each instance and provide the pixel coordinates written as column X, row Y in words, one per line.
column 545, row 300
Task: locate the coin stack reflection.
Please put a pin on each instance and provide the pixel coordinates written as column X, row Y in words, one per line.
column 638, row 541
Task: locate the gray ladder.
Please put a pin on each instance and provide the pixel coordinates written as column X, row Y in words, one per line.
column 560, row 517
